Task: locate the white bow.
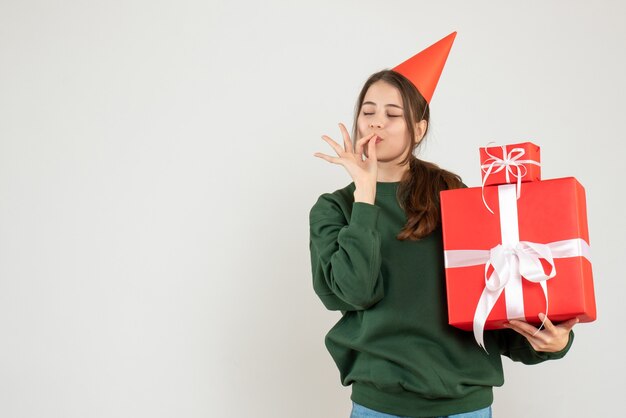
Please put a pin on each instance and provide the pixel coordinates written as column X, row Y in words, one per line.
column 512, row 165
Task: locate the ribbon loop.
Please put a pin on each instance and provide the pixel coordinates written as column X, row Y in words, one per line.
column 530, row 269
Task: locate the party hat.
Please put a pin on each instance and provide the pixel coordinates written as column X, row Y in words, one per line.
column 425, row 67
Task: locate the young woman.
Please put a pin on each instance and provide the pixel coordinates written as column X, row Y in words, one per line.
column 377, row 256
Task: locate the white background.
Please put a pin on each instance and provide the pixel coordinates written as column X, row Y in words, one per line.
column 157, row 170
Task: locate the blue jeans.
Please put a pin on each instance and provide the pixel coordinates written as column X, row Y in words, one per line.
column 359, row 411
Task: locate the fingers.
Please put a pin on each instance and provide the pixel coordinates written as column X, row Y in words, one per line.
column 552, row 339
column 371, row 150
column 349, row 153
column 333, row 144
column 547, row 324
column 334, row 160
column 361, row 142
column 347, row 143
column 550, row 327
column 522, row 327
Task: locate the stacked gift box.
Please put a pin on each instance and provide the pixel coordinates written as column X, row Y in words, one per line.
column 517, row 246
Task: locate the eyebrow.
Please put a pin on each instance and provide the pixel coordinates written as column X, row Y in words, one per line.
column 372, row 103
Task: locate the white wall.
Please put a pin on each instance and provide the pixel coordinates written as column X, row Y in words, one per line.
column 157, row 169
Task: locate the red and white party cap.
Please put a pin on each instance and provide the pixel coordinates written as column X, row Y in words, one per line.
column 425, row 67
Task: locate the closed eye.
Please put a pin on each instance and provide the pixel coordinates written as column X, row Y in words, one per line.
column 391, row 116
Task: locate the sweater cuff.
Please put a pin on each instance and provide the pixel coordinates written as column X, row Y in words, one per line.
column 364, row 214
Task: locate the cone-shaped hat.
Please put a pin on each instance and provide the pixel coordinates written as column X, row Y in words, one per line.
column 424, row 68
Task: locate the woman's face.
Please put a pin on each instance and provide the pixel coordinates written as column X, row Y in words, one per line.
column 382, row 113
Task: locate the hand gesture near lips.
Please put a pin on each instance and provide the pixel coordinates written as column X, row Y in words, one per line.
column 552, row 338
column 362, row 171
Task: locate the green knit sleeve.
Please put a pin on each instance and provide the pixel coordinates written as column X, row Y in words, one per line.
column 517, row 348
column 345, row 255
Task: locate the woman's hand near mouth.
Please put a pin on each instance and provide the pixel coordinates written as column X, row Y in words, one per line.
column 362, row 169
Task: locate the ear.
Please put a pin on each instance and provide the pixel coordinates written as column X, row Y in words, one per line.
column 420, row 130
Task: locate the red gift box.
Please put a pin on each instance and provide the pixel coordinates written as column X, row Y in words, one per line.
column 513, row 163
column 549, row 215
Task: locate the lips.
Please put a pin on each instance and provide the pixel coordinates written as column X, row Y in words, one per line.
column 378, row 139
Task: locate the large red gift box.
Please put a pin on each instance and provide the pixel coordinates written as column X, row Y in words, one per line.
column 504, row 164
column 549, row 212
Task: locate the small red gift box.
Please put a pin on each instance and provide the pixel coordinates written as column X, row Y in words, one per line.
column 512, row 163
column 533, row 250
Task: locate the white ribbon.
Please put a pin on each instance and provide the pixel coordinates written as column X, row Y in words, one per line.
column 512, row 260
column 512, row 165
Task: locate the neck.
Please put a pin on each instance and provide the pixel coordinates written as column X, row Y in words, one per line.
column 390, row 171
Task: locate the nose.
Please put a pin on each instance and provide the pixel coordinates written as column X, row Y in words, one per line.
column 376, row 125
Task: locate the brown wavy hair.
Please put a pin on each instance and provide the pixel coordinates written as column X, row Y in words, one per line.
column 418, row 192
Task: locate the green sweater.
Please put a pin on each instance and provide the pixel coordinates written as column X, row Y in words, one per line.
column 393, row 343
